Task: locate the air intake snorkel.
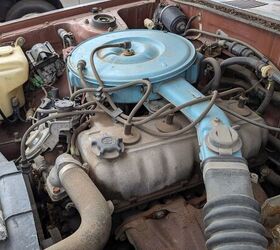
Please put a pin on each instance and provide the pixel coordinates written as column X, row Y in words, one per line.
column 231, row 215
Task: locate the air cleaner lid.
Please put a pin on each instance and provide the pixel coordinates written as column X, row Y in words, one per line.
column 156, row 55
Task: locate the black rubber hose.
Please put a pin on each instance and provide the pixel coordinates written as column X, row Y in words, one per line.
column 227, row 38
column 248, row 76
column 6, row 119
column 271, row 176
column 275, row 77
column 274, row 141
column 268, row 93
column 259, row 54
column 228, row 81
column 250, row 62
column 245, row 61
column 268, row 97
column 215, row 81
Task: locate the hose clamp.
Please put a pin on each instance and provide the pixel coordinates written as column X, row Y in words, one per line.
column 66, row 159
column 65, row 169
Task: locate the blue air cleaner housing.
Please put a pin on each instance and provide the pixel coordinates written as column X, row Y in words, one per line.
column 168, row 60
column 156, row 55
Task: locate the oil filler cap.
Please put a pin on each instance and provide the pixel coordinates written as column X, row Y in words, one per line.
column 223, row 140
column 108, row 147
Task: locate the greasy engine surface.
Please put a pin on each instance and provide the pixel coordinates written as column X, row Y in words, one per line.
column 137, row 133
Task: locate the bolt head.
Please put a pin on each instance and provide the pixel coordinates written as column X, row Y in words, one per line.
column 56, row 190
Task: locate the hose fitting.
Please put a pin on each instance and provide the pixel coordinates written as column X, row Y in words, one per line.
column 81, row 65
column 126, row 45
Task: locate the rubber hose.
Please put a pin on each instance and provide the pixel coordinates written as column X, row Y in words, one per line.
column 271, row 176
column 274, row 141
column 95, row 213
column 250, row 62
column 268, row 97
column 226, row 81
column 215, row 81
column 247, row 76
column 275, row 77
column 189, row 23
column 251, row 78
column 6, row 119
column 245, row 61
column 231, row 214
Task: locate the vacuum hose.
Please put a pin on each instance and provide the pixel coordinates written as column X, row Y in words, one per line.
column 231, row 215
column 215, row 82
column 95, row 212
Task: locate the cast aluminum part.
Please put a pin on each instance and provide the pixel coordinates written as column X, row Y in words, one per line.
column 47, row 137
column 138, row 170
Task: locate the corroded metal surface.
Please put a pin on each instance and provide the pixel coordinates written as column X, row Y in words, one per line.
column 173, row 225
column 271, row 220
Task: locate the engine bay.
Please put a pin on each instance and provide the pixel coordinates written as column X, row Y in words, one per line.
column 139, row 125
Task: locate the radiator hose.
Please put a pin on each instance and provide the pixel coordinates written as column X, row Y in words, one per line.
column 231, row 215
column 95, row 212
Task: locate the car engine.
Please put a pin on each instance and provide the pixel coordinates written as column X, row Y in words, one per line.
column 158, row 134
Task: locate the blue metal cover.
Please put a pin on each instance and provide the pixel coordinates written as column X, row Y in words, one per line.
column 157, row 55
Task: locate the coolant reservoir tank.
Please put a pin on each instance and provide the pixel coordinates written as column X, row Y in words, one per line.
column 13, row 74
